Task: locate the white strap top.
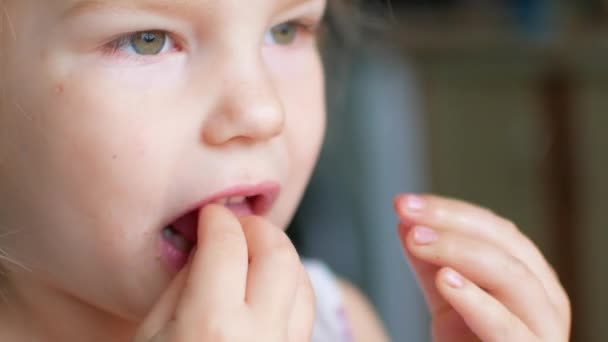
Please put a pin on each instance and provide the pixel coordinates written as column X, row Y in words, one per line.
column 331, row 324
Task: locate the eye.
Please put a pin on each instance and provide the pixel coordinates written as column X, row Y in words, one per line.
column 148, row 43
column 143, row 43
column 283, row 34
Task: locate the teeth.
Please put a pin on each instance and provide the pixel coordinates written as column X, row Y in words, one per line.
column 236, row 200
column 231, row 200
column 222, row 201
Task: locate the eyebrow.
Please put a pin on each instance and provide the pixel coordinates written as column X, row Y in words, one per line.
column 84, row 6
column 161, row 6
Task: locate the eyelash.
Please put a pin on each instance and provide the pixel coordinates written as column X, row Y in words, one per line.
column 310, row 27
column 116, row 47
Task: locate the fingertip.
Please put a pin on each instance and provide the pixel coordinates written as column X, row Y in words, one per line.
column 453, row 278
column 403, row 230
column 215, row 217
column 397, row 201
column 211, row 210
column 401, row 203
column 449, row 278
column 410, row 206
column 485, row 315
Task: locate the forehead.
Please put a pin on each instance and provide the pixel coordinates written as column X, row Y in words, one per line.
column 79, row 6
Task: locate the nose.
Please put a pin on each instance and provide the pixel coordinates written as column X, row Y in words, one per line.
column 249, row 109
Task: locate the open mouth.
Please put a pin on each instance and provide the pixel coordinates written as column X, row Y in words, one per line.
column 180, row 236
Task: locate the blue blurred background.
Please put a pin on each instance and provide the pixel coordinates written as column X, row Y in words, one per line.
column 502, row 103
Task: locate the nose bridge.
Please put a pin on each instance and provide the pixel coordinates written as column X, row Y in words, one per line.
column 249, row 106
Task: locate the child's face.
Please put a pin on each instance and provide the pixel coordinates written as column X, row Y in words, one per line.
column 102, row 145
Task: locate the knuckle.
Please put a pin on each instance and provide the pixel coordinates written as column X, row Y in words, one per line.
column 508, row 225
column 516, row 269
column 508, row 329
column 450, row 249
column 552, row 271
column 505, row 327
column 489, row 211
column 528, row 244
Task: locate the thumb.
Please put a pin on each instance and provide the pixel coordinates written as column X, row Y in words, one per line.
column 162, row 313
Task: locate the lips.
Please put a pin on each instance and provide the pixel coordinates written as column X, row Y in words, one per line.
column 180, row 235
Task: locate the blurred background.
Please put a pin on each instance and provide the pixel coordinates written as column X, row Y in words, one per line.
column 502, row 103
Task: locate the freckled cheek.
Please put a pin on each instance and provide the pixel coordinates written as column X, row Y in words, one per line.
column 107, row 148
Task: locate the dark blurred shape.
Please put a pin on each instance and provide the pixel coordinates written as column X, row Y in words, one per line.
column 558, row 98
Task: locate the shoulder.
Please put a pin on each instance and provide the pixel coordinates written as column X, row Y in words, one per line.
column 343, row 312
column 363, row 320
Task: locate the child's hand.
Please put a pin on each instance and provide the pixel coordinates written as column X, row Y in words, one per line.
column 482, row 278
column 244, row 283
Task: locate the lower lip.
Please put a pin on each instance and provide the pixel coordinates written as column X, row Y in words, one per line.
column 173, row 257
column 177, row 259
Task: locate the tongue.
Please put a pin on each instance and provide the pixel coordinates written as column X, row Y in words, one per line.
column 240, row 209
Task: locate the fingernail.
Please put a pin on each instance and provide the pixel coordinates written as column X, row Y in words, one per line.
column 424, row 235
column 453, row 278
column 414, row 203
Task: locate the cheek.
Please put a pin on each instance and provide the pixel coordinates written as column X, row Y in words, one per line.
column 98, row 145
column 299, row 82
column 92, row 161
column 86, row 172
column 304, row 105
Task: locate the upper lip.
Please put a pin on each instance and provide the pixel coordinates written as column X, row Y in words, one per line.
column 268, row 191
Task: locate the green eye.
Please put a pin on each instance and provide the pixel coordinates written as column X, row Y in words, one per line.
column 148, row 42
column 283, row 34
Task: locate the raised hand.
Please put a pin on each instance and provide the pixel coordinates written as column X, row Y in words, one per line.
column 482, row 278
column 245, row 282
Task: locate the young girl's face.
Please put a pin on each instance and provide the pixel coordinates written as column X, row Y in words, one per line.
column 120, row 116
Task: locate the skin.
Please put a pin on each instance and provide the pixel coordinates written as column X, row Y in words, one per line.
column 482, row 278
column 97, row 150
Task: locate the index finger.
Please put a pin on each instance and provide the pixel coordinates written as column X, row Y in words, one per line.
column 218, row 273
column 163, row 311
column 459, row 216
